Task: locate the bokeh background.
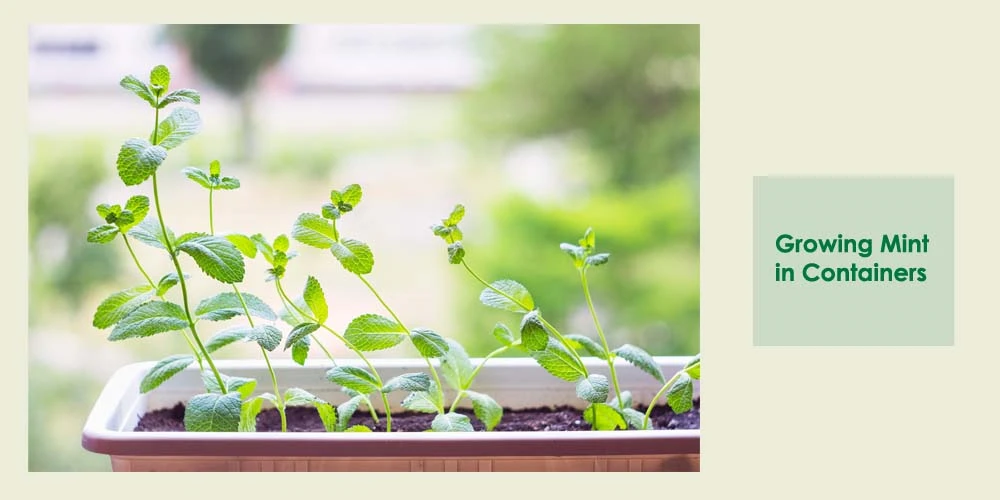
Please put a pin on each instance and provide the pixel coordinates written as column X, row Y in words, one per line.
column 540, row 131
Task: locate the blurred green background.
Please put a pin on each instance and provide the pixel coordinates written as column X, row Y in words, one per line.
column 541, row 132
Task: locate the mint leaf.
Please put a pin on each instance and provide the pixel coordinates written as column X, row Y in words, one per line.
column 314, row 230
column 213, row 413
column 150, row 233
column 626, row 400
column 354, row 378
column 216, row 256
column 266, row 336
column 635, row 419
column 241, row 385
column 181, row 125
column 190, row 96
column 227, row 305
column 372, row 332
column 487, row 410
column 351, row 194
column 214, row 168
column 503, row 334
column 228, row 183
column 354, row 255
column 163, row 370
column 522, row 301
column 167, row 282
column 139, row 207
column 264, row 247
column 184, row 238
column 226, row 337
column 313, row 295
column 424, row 402
column 248, row 414
column 299, row 332
column 292, row 317
column 641, row 360
column 328, row 415
column 589, row 240
column 139, row 88
column 451, row 422
column 588, row 344
column 456, row 368
column 329, row 211
column 137, row 160
column 357, row 428
column 198, row 175
column 296, row 396
column 598, row 259
column 243, row 243
column 105, row 233
column 602, row 417
column 534, row 335
column 428, row 342
column 456, row 253
column 693, row 368
column 346, row 410
column 559, row 362
column 149, row 319
column 593, row 388
column 159, row 78
column 300, row 350
column 119, row 304
column 680, row 395
column 409, row 382
column 456, row 216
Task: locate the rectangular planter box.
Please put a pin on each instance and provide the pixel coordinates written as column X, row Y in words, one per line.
column 513, row 382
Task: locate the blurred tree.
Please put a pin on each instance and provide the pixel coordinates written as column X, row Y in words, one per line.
column 232, row 57
column 629, row 92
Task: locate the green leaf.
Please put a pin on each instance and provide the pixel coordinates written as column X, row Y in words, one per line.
column 314, row 230
column 534, row 334
column 243, row 243
column 296, row 396
column 626, row 400
column 292, row 317
column 451, row 422
column 503, row 334
column 351, row 194
column 149, row 319
column 299, row 332
column 189, row 96
column 487, row 410
column 167, row 282
column 354, row 255
column 456, row 368
column 424, row 402
column 409, row 382
column 680, row 395
column 159, row 78
column 120, row 304
column 578, row 253
column 105, row 233
column 300, row 350
column 281, row 243
column 248, row 414
column 242, row 385
column 607, row 418
column 354, row 378
column 641, row 360
column 330, row 211
column 227, row 305
column 456, row 216
column 264, row 247
column 214, row 168
column 593, row 388
column 150, row 233
column 372, row 332
column 163, row 370
column 357, row 428
column 139, row 206
column 137, row 160
column 216, row 256
column 328, row 415
column 174, row 130
column 313, row 295
column 635, row 419
column 226, row 337
column 442, row 231
column 139, row 88
column 588, row 344
column 212, row 412
column 456, row 253
column 198, row 175
column 228, row 183
column 598, row 259
column 428, row 342
column 559, row 362
column 693, row 368
column 589, row 240
column 346, row 410
column 510, row 290
column 186, row 237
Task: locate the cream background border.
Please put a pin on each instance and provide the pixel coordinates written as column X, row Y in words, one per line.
column 851, row 87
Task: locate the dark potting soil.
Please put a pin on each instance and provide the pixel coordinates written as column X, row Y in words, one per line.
column 306, row 419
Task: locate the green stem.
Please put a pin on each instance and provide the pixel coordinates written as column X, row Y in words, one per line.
column 652, row 403
column 600, row 332
column 430, row 366
column 349, row 345
column 211, row 219
column 472, row 376
column 277, row 393
column 135, row 259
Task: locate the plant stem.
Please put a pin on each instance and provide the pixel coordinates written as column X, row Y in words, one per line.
column 135, row 259
column 652, row 403
column 555, row 332
column 349, row 345
column 211, row 221
column 472, row 376
column 289, row 305
column 600, row 332
column 430, row 366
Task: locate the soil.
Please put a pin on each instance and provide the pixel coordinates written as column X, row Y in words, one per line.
column 306, row 419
